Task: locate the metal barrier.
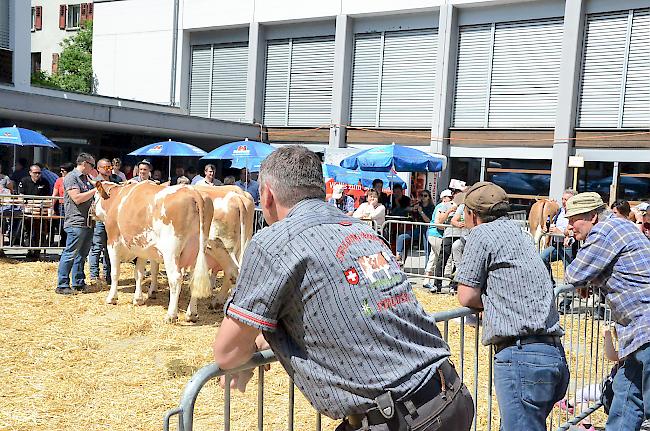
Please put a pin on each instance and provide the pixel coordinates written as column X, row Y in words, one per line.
column 258, row 220
column 30, row 223
column 474, row 363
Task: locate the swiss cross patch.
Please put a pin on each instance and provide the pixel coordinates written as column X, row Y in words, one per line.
column 352, row 276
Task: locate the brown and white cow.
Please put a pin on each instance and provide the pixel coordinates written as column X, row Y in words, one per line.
column 232, row 227
column 169, row 225
column 540, row 213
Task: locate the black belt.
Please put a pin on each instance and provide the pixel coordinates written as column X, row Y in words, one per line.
column 445, row 377
column 553, row 340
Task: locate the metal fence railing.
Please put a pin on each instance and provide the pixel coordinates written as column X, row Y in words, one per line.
column 460, row 327
column 31, row 223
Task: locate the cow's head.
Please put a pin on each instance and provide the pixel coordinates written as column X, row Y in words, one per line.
column 103, row 197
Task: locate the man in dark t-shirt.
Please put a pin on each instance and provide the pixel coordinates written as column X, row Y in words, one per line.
column 329, row 298
column 34, row 184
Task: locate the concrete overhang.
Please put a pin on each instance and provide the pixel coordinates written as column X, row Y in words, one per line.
column 98, row 113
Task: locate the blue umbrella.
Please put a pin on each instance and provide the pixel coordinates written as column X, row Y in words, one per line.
column 244, row 154
column 394, row 157
column 240, row 151
column 169, row 148
column 252, row 164
column 347, row 176
column 19, row 137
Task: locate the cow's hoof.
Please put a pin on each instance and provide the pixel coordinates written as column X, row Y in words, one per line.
column 192, row 318
column 138, row 301
column 171, row 319
column 111, row 301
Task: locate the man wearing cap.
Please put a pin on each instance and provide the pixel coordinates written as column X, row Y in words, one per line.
column 434, row 236
column 615, row 256
column 342, row 201
column 502, row 274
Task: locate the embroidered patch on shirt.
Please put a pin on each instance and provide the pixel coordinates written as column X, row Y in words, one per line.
column 345, row 223
column 352, row 276
column 375, row 267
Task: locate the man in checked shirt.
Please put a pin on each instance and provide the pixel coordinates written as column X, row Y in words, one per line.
column 616, row 256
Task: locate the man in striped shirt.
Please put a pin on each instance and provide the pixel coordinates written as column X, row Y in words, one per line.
column 502, row 274
column 616, row 256
column 338, row 312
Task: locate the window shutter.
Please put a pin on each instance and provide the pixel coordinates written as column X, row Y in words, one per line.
column 200, row 80
column 38, row 20
column 408, row 78
column 89, row 12
column 83, row 14
column 55, row 63
column 229, row 74
column 310, row 83
column 636, row 108
column 472, row 76
column 525, row 73
column 365, row 79
column 62, row 13
column 276, row 87
column 393, row 79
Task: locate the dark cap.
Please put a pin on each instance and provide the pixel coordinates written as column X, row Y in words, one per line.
column 483, row 196
column 145, row 162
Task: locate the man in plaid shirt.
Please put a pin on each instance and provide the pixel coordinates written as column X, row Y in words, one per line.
column 616, row 255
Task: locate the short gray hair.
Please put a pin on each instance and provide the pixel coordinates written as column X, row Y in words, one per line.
column 603, row 213
column 294, row 173
column 571, row 192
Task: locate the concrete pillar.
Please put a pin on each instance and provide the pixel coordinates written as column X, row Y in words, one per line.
column 445, row 77
column 341, row 84
column 255, row 78
column 567, row 100
column 20, row 41
column 184, row 71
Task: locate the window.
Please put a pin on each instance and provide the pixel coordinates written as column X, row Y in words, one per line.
column 596, row 177
column 36, row 62
column 33, row 27
column 74, row 17
column 523, row 180
column 466, row 169
column 633, row 182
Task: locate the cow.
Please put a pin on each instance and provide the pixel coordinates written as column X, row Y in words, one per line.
column 232, row 228
column 538, row 219
column 169, row 225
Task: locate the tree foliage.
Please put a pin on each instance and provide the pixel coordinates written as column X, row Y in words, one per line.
column 75, row 68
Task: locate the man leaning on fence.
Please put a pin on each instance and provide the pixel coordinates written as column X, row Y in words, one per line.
column 79, row 193
column 616, row 257
column 502, row 273
column 338, row 312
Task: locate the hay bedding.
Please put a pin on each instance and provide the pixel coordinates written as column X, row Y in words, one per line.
column 77, row 363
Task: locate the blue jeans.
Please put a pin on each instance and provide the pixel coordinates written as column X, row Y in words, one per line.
column 418, row 233
column 528, row 380
column 98, row 249
column 73, row 257
column 631, row 392
column 556, row 252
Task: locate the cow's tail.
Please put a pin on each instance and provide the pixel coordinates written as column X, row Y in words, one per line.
column 247, row 214
column 200, row 285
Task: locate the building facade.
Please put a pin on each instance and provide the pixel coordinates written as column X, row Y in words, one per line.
column 51, row 22
column 507, row 89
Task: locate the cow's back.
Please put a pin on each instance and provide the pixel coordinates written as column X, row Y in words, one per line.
column 232, row 222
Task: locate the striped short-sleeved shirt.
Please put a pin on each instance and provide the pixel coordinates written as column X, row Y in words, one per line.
column 336, row 309
column 516, row 288
column 616, row 255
